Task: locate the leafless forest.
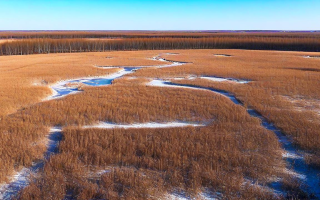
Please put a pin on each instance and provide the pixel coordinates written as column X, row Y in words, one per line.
column 62, row 42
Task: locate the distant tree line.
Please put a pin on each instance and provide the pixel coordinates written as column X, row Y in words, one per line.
column 49, row 45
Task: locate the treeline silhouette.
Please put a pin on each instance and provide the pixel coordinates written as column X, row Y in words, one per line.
column 72, row 43
column 150, row 34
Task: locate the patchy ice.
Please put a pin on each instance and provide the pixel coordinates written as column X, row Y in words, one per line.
column 295, row 161
column 21, row 179
column 105, row 125
column 220, row 79
column 67, row 87
column 183, row 196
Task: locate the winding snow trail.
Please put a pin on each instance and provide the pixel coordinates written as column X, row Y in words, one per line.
column 71, row 86
column 61, row 89
column 105, row 125
column 295, row 160
column 21, row 179
column 221, row 79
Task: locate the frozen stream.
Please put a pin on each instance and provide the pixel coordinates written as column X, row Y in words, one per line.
column 294, row 159
column 105, row 125
column 72, row 86
column 67, row 87
column 307, row 175
column 21, row 179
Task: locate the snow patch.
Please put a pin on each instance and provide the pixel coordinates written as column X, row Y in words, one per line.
column 105, row 125
column 21, row 179
column 18, row 181
column 161, row 83
column 222, row 55
column 184, row 196
column 220, row 79
column 311, row 56
column 71, row 86
column 291, row 155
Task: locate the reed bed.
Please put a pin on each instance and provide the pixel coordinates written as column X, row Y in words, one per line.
column 274, row 78
column 148, row 163
column 24, row 80
column 229, row 125
column 231, row 149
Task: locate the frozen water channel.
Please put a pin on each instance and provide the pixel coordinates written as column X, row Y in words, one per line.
column 295, row 161
column 67, row 87
column 73, row 86
column 105, row 125
column 21, row 179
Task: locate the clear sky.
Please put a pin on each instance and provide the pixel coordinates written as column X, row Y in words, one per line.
column 160, row 15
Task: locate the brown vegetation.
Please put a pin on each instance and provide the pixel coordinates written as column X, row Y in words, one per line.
column 25, row 80
column 233, row 144
column 219, row 157
column 274, row 79
column 68, row 42
column 232, row 148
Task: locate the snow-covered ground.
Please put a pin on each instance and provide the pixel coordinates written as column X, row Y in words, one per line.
column 220, row 79
column 156, row 58
column 105, row 125
column 183, row 196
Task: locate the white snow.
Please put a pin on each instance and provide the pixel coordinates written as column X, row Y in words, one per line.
column 222, row 55
column 219, row 79
column 61, row 88
column 106, row 125
column 18, row 181
column 262, row 187
column 161, row 83
column 291, row 155
column 295, row 174
column 21, row 178
column 311, row 56
column 106, row 67
column 182, row 196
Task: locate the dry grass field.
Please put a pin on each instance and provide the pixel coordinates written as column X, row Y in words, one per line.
column 225, row 156
column 25, row 80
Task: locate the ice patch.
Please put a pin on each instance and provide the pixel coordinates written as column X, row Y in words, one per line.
column 222, row 55
column 291, row 155
column 295, row 174
column 105, row 125
column 161, row 83
column 311, row 56
column 67, row 87
column 17, row 183
column 220, row 79
column 183, row 196
column 21, row 179
column 300, row 168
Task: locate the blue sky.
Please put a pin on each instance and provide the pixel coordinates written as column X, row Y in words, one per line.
column 160, row 15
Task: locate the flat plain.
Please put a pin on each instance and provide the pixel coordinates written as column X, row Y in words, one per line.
column 234, row 124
